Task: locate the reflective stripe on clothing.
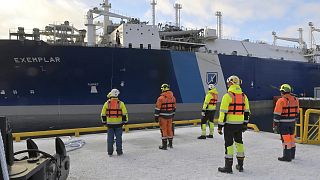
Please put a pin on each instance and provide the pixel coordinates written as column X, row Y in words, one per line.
column 113, row 115
column 166, row 105
column 286, row 141
column 233, row 106
column 210, row 100
column 238, row 103
column 286, row 109
column 284, row 120
column 214, row 99
column 113, row 110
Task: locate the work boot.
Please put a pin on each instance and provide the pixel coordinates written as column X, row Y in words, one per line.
column 202, row 137
column 209, row 136
column 227, row 167
column 293, row 152
column 164, row 144
column 110, row 154
column 170, row 143
column 286, row 155
column 239, row 166
column 119, row 153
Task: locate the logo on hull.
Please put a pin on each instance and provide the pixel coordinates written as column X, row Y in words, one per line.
column 212, row 78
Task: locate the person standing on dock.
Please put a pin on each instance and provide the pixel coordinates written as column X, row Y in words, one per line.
column 208, row 111
column 285, row 114
column 114, row 114
column 233, row 118
column 164, row 112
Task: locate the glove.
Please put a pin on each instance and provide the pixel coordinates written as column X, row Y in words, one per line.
column 244, row 127
column 124, row 119
column 220, row 129
column 203, row 113
column 104, row 120
column 156, row 118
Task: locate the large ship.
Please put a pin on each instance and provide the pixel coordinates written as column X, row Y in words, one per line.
column 63, row 82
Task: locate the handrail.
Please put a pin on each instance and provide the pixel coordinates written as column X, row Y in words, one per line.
column 77, row 131
column 306, row 123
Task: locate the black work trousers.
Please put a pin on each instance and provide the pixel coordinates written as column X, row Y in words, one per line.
column 232, row 133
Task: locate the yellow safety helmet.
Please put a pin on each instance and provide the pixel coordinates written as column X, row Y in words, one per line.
column 285, row 88
column 114, row 93
column 234, row 80
column 165, row 87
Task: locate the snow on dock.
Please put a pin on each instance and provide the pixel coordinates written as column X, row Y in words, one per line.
column 189, row 159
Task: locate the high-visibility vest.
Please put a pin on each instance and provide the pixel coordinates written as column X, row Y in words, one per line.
column 290, row 109
column 168, row 106
column 237, row 105
column 114, row 110
column 214, row 99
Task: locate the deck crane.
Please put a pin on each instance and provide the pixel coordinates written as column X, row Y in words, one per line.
column 91, row 26
column 299, row 40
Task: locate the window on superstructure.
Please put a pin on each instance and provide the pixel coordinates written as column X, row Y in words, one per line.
column 149, row 46
column 130, row 45
column 141, row 46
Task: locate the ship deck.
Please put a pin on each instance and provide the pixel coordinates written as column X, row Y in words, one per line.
column 189, row 159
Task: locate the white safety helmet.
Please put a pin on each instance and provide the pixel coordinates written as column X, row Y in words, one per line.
column 211, row 86
column 114, row 93
column 234, row 80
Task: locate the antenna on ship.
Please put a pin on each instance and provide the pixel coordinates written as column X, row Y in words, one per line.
column 178, row 8
column 299, row 40
column 153, row 4
column 219, row 24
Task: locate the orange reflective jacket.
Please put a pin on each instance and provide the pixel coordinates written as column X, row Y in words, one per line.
column 238, row 103
column 214, row 99
column 287, row 107
column 114, row 110
column 166, row 105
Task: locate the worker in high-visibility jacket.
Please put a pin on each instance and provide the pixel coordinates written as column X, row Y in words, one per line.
column 285, row 114
column 114, row 114
column 164, row 112
column 208, row 112
column 233, row 118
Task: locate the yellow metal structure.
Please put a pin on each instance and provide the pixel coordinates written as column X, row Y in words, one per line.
column 311, row 129
column 300, row 126
column 77, row 131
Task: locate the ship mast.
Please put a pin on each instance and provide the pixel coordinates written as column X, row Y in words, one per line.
column 178, row 8
column 153, row 4
column 219, row 24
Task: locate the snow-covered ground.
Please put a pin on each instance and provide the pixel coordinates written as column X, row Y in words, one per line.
column 190, row 159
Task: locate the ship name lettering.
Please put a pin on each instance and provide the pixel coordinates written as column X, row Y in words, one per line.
column 34, row 59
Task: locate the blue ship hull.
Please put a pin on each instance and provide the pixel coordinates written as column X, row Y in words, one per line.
column 70, row 83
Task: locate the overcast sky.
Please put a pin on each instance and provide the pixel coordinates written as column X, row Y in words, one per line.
column 242, row 19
